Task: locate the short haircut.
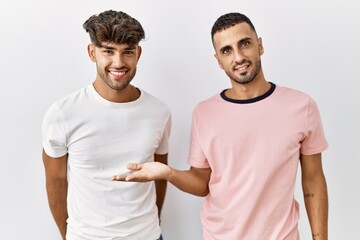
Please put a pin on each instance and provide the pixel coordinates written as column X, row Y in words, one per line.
column 229, row 20
column 114, row 27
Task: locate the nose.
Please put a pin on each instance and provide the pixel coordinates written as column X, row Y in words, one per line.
column 118, row 61
column 238, row 56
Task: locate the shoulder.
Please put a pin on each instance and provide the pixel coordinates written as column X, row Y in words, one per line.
column 66, row 103
column 71, row 99
column 286, row 91
column 291, row 95
column 295, row 99
column 153, row 108
column 209, row 102
column 154, row 103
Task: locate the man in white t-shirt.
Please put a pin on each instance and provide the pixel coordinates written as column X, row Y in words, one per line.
column 93, row 133
column 246, row 145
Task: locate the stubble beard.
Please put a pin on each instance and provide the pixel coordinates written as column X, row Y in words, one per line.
column 244, row 79
column 117, row 86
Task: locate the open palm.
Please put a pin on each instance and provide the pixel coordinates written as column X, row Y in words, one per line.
column 143, row 172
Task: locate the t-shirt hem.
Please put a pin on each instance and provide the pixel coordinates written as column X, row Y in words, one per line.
column 162, row 152
column 315, row 150
column 197, row 164
column 54, row 154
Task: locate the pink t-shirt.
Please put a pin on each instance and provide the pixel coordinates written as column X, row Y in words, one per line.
column 253, row 148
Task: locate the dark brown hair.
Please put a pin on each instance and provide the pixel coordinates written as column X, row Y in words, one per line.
column 114, row 27
column 228, row 20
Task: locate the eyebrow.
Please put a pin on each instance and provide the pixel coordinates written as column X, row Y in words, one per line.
column 107, row 47
column 112, row 48
column 247, row 39
column 225, row 48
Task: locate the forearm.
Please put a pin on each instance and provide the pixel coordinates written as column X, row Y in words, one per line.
column 316, row 203
column 194, row 181
column 57, row 194
column 190, row 181
column 160, row 194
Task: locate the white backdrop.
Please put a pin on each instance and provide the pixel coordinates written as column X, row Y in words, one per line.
column 309, row 45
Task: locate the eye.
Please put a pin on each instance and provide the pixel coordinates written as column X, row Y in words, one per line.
column 245, row 43
column 108, row 51
column 129, row 52
column 225, row 51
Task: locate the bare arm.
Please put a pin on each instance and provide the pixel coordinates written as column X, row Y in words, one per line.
column 315, row 195
column 56, row 187
column 194, row 181
column 160, row 184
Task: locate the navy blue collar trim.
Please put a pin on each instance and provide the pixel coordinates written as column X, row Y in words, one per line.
column 251, row 100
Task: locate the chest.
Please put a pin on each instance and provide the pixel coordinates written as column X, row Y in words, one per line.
column 246, row 138
column 104, row 140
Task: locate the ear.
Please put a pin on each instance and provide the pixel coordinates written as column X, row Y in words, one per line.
column 139, row 52
column 261, row 47
column 219, row 62
column 91, row 52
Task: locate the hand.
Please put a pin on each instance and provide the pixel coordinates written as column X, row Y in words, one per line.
column 144, row 172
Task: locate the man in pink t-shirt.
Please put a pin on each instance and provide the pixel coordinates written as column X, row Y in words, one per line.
column 246, row 145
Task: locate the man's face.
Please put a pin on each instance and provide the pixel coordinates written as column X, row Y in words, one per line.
column 238, row 51
column 115, row 63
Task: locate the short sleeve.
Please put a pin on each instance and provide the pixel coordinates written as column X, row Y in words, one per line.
column 54, row 139
column 197, row 156
column 164, row 144
column 314, row 141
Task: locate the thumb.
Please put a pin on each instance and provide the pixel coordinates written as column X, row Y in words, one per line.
column 135, row 166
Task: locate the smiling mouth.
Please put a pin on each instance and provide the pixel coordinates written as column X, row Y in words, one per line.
column 242, row 69
column 118, row 73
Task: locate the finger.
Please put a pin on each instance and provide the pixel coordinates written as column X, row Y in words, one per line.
column 134, row 166
column 119, row 178
column 130, row 178
column 137, row 177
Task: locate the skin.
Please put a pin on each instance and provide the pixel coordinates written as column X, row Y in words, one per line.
column 238, row 52
column 315, row 195
column 160, row 184
column 56, row 187
column 116, row 67
column 194, row 181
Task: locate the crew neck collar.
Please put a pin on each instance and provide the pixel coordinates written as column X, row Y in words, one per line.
column 97, row 97
column 251, row 100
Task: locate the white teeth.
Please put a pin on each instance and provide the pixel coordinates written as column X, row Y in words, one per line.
column 117, row 73
column 242, row 67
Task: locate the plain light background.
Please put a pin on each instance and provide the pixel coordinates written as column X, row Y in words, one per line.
column 309, row 45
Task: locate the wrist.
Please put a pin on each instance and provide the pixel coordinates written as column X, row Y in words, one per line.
column 169, row 174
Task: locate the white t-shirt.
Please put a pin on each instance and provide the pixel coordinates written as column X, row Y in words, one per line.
column 100, row 138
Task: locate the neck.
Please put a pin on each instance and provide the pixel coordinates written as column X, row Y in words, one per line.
column 128, row 94
column 253, row 89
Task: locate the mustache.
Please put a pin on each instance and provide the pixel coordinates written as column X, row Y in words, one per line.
column 122, row 68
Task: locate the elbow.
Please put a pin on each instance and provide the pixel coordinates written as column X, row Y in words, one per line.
column 203, row 192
